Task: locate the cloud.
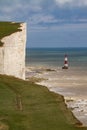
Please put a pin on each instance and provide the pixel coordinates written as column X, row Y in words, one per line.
column 62, row 2
column 78, row 3
column 42, row 18
column 44, row 13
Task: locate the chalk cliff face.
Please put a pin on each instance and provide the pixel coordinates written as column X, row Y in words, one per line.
column 12, row 54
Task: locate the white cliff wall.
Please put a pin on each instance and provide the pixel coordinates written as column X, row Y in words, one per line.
column 12, row 54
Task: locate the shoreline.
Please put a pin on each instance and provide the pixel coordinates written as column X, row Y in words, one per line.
column 77, row 104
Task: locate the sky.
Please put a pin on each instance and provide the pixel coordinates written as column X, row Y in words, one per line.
column 50, row 23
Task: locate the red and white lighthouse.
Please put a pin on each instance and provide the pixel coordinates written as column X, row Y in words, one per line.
column 65, row 62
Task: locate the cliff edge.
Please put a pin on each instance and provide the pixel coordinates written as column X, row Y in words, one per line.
column 12, row 53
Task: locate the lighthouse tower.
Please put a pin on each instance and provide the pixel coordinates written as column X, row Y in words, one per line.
column 65, row 63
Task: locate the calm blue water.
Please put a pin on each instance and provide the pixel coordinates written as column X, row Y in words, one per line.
column 77, row 57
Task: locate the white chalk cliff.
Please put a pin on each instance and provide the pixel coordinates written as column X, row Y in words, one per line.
column 12, row 54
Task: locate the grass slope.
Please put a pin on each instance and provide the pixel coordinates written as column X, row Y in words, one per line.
column 42, row 110
column 7, row 28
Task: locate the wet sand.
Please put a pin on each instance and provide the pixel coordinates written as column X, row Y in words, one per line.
column 71, row 83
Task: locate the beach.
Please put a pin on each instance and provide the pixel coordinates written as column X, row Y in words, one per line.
column 71, row 83
column 46, row 65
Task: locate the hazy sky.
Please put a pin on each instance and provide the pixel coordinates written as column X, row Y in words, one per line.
column 50, row 23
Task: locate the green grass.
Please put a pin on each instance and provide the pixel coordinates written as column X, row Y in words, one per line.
column 7, row 28
column 42, row 109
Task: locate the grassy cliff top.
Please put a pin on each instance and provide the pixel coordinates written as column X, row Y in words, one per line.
column 41, row 109
column 7, row 28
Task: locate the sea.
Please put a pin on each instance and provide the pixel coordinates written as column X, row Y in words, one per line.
column 54, row 57
column 71, row 83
